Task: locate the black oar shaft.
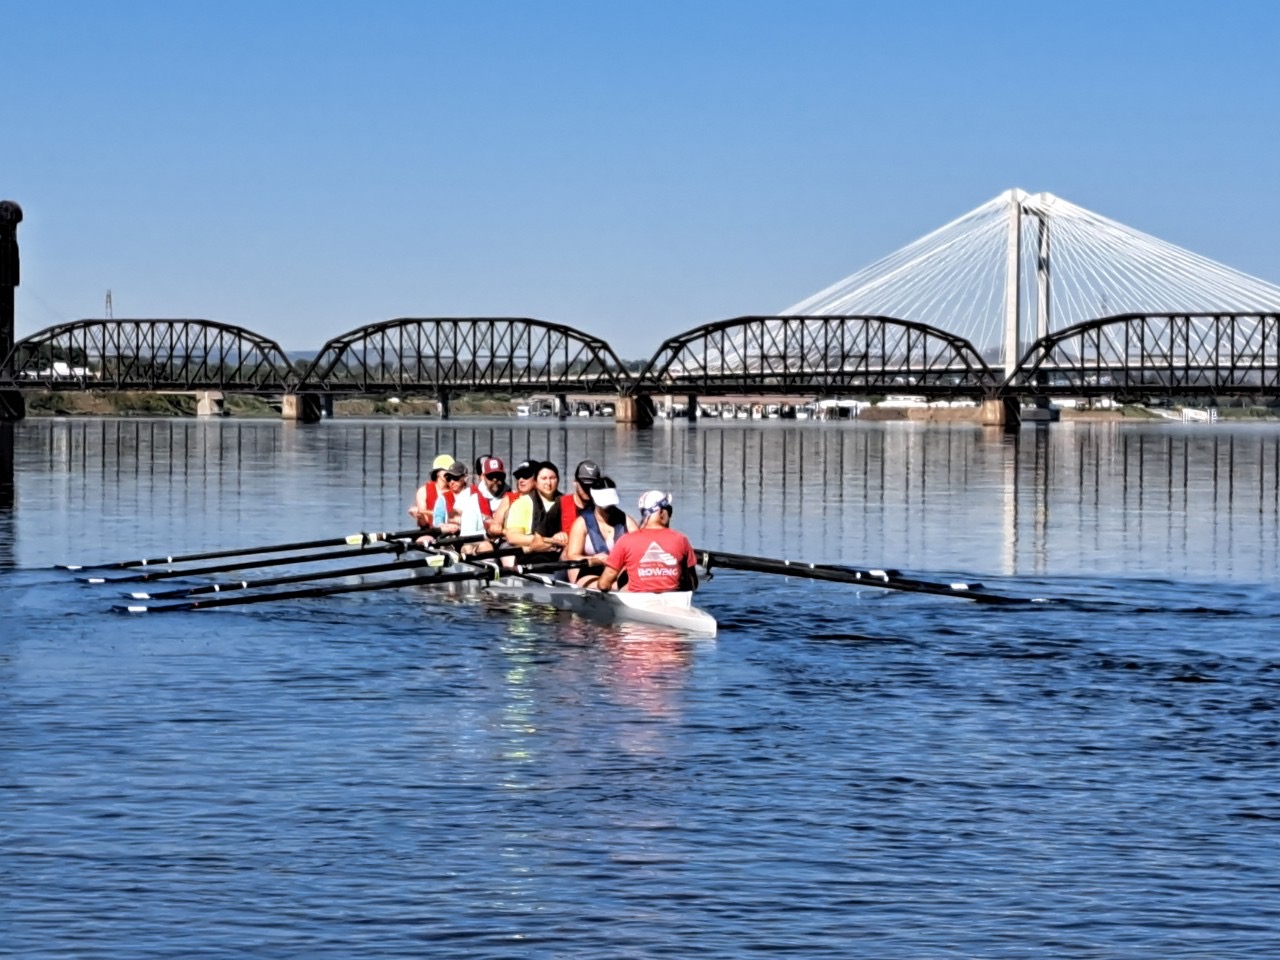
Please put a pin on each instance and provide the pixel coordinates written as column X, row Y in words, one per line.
column 294, row 578
column 880, row 579
column 215, row 602
column 252, row 564
column 435, row 560
column 353, row 539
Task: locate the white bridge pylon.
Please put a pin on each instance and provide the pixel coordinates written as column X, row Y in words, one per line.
column 1023, row 265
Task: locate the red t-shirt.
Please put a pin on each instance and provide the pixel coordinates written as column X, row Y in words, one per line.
column 568, row 512
column 654, row 559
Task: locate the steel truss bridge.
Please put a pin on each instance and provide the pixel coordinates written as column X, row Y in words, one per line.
column 170, row 355
column 1131, row 357
column 466, row 354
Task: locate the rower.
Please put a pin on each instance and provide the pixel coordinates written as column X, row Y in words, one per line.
column 424, row 502
column 585, row 476
column 595, row 531
column 655, row 558
column 533, row 520
column 447, row 514
column 483, row 498
column 523, row 476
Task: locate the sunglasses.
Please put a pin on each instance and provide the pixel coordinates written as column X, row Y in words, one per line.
column 455, row 477
column 495, row 476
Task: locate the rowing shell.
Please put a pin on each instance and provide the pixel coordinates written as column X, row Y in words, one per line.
column 673, row 609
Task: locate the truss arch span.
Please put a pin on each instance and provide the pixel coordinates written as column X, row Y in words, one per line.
column 151, row 354
column 1133, row 356
column 426, row 354
column 817, row 355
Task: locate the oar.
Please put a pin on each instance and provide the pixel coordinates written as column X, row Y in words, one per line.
column 394, row 546
column 534, row 570
column 389, row 546
column 353, row 540
column 881, row 579
column 434, row 560
column 479, row 574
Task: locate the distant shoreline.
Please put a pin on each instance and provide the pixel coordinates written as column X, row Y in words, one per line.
column 142, row 404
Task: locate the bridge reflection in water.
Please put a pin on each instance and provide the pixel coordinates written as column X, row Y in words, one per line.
column 1112, row 498
column 1103, row 498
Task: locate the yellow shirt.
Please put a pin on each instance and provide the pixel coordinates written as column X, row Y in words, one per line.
column 520, row 513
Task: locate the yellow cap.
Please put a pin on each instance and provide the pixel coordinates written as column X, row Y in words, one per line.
column 441, row 462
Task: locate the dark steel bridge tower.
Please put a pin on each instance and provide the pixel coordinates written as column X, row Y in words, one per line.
column 11, row 404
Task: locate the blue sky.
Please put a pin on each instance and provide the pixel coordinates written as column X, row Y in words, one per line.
column 630, row 169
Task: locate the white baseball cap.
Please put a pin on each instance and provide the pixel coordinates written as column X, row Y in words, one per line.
column 653, row 501
column 605, row 496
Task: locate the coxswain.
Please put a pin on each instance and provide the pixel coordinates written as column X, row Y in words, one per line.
column 424, row 503
column 596, row 531
column 533, row 520
column 656, row 558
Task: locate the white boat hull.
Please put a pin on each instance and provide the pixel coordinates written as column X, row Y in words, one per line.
column 675, row 610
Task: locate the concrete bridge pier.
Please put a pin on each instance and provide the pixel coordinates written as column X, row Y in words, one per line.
column 636, row 409
column 442, row 404
column 1001, row 412
column 691, row 406
column 211, row 403
column 562, row 406
column 301, row 407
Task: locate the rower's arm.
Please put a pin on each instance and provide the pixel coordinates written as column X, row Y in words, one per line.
column 689, row 578
column 607, row 579
column 576, row 547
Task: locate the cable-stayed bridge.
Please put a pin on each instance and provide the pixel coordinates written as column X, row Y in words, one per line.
column 1028, row 295
column 1023, row 266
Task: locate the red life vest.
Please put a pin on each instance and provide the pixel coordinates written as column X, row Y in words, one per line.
column 568, row 512
column 482, row 498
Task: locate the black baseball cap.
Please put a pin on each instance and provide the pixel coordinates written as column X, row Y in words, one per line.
column 587, row 473
column 526, row 469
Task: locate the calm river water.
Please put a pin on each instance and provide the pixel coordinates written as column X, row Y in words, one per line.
column 841, row 773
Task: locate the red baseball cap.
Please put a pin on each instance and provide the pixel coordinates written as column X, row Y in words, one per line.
column 490, row 465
